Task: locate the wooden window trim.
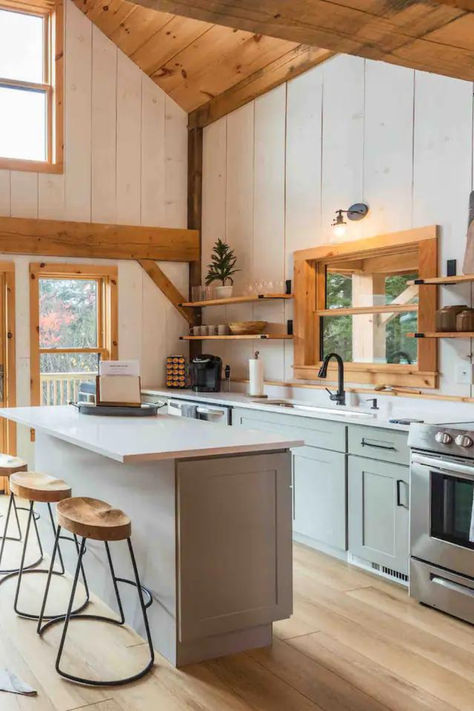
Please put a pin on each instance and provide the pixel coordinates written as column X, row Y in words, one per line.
column 108, row 313
column 8, row 345
column 53, row 12
column 309, row 305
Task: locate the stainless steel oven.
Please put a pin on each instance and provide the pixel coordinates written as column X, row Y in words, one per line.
column 442, row 518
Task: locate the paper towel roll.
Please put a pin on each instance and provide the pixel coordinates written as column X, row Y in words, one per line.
column 256, row 376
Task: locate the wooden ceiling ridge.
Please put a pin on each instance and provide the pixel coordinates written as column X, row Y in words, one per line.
column 430, row 35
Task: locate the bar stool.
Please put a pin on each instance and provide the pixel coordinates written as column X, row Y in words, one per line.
column 37, row 487
column 97, row 520
column 10, row 465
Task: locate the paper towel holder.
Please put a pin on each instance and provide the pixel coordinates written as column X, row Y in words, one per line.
column 255, row 397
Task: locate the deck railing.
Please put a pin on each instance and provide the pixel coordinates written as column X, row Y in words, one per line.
column 62, row 388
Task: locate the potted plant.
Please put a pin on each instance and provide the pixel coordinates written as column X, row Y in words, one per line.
column 221, row 268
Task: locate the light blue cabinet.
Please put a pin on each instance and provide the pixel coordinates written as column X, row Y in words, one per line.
column 319, row 495
column 319, row 474
column 379, row 513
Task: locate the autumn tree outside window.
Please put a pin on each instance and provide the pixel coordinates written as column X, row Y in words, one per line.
column 73, row 311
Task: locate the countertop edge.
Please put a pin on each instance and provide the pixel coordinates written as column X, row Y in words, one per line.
column 247, row 404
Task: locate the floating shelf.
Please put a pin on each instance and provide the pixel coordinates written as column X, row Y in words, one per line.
column 360, row 310
column 442, row 334
column 236, row 300
column 443, row 281
column 247, row 336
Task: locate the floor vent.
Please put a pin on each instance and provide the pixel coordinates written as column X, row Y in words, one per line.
column 381, row 570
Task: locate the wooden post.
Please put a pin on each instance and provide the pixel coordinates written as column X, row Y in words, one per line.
column 195, row 136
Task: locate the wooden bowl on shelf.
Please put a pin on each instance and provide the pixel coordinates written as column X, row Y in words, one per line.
column 247, row 328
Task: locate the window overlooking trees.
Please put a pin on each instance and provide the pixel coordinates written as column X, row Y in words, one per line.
column 362, row 300
column 31, row 85
column 75, row 311
column 348, row 334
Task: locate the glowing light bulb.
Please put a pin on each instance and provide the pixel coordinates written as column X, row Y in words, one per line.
column 339, row 229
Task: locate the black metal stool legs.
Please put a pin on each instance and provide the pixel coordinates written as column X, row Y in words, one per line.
column 4, row 537
column 70, row 615
column 28, row 570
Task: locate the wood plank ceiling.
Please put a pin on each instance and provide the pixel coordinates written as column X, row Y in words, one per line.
column 212, row 56
column 195, row 61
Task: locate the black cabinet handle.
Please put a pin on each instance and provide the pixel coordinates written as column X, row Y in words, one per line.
column 399, row 501
column 376, row 446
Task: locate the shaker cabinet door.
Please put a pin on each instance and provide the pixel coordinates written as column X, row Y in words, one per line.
column 379, row 512
column 319, row 495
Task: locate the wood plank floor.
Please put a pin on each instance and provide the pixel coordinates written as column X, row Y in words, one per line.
column 354, row 643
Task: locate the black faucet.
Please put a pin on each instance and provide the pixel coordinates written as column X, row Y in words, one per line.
column 340, row 395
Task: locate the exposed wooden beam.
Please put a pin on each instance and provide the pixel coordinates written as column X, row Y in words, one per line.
column 404, row 32
column 159, row 278
column 287, row 67
column 467, row 5
column 55, row 238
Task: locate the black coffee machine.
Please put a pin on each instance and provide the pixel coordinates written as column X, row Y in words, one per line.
column 205, row 372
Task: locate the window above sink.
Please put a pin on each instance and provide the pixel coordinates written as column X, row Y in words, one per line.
column 358, row 299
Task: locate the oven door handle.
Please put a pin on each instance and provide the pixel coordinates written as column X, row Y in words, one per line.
column 460, row 470
column 450, row 585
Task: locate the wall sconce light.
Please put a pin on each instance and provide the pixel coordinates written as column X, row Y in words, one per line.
column 357, row 211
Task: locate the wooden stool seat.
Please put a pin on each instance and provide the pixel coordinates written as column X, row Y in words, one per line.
column 10, row 464
column 35, row 486
column 92, row 518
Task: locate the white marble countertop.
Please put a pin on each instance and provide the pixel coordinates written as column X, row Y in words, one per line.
column 335, row 413
column 135, row 439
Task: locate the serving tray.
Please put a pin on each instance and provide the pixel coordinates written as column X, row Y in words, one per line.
column 145, row 410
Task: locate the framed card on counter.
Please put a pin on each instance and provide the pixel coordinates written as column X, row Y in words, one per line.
column 122, row 390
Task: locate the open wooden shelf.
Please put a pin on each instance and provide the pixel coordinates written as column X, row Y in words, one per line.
column 442, row 334
column 236, row 300
column 444, row 281
column 247, row 336
column 355, row 310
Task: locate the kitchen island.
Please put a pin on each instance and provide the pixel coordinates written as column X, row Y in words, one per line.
column 211, row 520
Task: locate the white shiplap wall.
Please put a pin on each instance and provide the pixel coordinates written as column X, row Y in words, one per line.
column 125, row 162
column 348, row 130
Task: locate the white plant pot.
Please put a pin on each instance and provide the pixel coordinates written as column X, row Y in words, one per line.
column 223, row 292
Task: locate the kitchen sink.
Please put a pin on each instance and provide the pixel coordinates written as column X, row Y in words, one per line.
column 340, row 412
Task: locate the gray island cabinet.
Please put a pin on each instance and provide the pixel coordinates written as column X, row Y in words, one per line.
column 350, row 488
column 211, row 521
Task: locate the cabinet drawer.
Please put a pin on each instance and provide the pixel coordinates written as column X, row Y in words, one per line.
column 375, row 443
column 315, row 432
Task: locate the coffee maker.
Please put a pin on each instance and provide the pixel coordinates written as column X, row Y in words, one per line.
column 205, row 372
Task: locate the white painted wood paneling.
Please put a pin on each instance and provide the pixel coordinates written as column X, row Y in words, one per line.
column 343, row 140
column 356, row 129
column 176, row 164
column 153, row 154
column 77, row 134
column 442, row 180
column 268, row 249
column 303, row 163
column 5, row 192
column 24, row 194
column 239, row 220
column 388, row 147
column 129, row 94
column 103, row 132
column 50, row 196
